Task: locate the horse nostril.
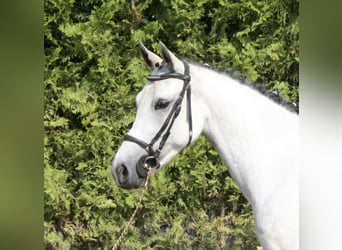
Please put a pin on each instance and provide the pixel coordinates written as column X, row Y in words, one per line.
column 122, row 173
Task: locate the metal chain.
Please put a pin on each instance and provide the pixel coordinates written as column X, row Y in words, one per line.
column 139, row 204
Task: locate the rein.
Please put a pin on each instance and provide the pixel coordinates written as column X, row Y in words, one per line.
column 138, row 206
column 152, row 158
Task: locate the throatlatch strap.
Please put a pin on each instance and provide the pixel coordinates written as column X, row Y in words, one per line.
column 188, row 95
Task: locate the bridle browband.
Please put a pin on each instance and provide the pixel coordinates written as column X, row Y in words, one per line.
column 152, row 159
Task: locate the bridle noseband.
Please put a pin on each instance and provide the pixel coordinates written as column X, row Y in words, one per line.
column 151, row 160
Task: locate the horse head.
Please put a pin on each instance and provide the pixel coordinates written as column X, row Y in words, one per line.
column 163, row 122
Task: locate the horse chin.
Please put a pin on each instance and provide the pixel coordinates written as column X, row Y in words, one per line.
column 168, row 157
column 139, row 183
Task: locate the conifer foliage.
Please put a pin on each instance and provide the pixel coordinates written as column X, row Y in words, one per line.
column 93, row 71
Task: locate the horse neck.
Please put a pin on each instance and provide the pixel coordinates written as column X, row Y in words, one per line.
column 249, row 130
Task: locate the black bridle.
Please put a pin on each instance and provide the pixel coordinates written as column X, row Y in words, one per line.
column 151, row 160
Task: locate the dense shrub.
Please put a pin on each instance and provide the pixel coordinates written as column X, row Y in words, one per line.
column 92, row 73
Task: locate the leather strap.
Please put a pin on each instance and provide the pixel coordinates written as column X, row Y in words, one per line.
column 164, row 131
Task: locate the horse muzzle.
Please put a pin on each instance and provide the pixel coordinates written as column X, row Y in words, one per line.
column 145, row 163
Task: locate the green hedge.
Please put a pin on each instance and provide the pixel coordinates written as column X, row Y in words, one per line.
column 93, row 71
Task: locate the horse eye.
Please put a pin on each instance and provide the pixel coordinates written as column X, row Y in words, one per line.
column 161, row 104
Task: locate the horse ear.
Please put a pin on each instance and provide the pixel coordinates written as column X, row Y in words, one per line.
column 151, row 59
column 171, row 60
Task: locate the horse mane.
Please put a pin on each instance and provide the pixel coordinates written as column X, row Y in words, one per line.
column 257, row 86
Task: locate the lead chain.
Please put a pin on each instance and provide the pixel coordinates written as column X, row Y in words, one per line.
column 139, row 204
